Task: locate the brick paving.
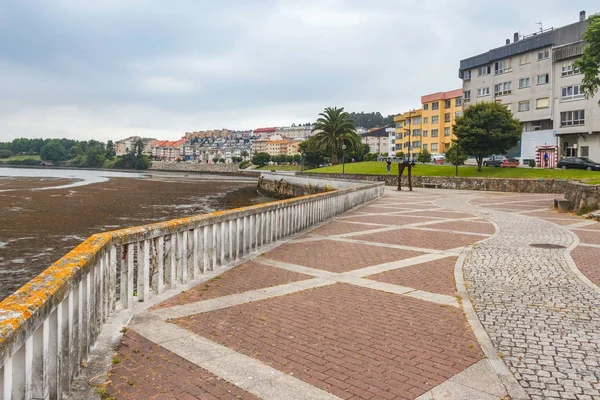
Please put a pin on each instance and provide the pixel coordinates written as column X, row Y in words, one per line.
column 433, row 276
column 248, row 276
column 348, row 340
column 335, row 256
column 143, row 370
column 420, row 238
column 369, row 337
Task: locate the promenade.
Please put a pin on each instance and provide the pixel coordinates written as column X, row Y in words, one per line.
column 431, row 294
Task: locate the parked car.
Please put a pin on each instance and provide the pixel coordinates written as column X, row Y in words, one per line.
column 437, row 158
column 500, row 161
column 579, row 163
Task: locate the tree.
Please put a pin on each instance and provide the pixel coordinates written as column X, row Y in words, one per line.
column 5, row 153
column 451, row 155
column 53, row 151
column 261, row 159
column 486, row 128
column 314, row 154
column 244, row 154
column 335, row 128
column 424, row 156
column 110, row 150
column 215, row 159
column 589, row 63
column 400, row 154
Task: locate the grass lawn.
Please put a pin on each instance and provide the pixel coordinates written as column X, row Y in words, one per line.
column 20, row 157
column 280, row 167
column 378, row 168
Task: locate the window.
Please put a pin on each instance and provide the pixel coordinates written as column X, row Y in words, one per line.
column 425, row 120
column 435, row 119
column 544, row 102
column 481, row 92
column 416, row 121
column 447, row 103
column 434, row 147
column 543, row 55
column 542, row 79
column 398, row 124
column 425, row 106
column 416, row 132
column 434, row 133
column 447, row 117
column 572, row 118
column 569, row 69
column 446, row 131
column 435, row 105
column 585, row 151
column 425, row 133
column 458, row 102
column 571, row 93
column 525, row 58
column 424, row 146
column 458, row 114
column 502, row 67
column 483, row 70
column 524, row 105
column 467, row 75
column 405, row 122
column 467, row 95
column 416, row 144
column 502, row 89
column 524, row 83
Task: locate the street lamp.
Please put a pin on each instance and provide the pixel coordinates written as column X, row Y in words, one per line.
column 456, row 158
column 343, row 159
column 302, row 161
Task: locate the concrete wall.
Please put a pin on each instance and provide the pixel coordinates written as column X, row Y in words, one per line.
column 583, row 198
column 531, row 139
column 192, row 167
column 451, row 182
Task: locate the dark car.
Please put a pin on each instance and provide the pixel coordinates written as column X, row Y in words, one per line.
column 579, row 163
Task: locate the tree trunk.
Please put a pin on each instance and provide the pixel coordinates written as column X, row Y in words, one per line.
column 479, row 163
column 334, row 158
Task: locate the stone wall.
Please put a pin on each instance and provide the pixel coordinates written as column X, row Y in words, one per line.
column 451, row 182
column 582, row 198
column 283, row 189
column 192, row 167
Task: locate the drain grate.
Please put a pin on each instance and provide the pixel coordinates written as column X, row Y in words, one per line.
column 547, row 246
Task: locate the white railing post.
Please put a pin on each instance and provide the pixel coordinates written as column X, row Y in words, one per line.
column 231, row 239
column 170, row 279
column 143, row 279
column 40, row 354
column 160, row 264
column 6, row 382
column 223, row 244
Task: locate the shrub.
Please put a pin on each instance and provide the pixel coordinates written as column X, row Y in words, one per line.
column 424, row 156
column 5, row 153
column 531, row 163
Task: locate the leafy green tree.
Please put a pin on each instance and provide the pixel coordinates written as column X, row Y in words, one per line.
column 314, row 153
column 486, row 128
column 297, row 158
column 424, row 156
column 244, row 154
column 335, row 128
column 400, row 154
column 5, row 153
column 95, row 157
column 289, row 158
column 236, row 159
column 261, row 159
column 451, row 155
column 110, row 150
column 53, row 151
column 589, row 63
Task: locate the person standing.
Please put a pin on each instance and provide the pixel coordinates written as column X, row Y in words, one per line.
column 388, row 166
column 546, row 159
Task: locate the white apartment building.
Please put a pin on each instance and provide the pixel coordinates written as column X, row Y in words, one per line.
column 379, row 139
column 533, row 77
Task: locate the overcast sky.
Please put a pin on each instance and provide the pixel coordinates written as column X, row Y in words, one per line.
column 113, row 68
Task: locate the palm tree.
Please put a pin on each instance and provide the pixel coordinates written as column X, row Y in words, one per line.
column 335, row 128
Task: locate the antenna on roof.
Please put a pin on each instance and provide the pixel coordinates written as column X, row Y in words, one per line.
column 541, row 26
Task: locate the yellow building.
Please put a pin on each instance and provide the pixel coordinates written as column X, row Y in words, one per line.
column 408, row 132
column 439, row 112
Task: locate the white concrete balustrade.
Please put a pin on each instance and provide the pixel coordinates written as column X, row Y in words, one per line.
column 48, row 327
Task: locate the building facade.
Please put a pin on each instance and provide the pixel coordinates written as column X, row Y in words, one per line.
column 439, row 112
column 534, row 78
column 409, row 128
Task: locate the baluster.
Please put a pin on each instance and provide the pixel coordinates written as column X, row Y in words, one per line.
column 6, row 379
column 127, row 276
column 22, row 363
column 40, row 353
column 160, row 264
column 245, row 237
column 206, row 247
column 231, row 239
column 143, row 279
column 84, row 313
column 239, row 226
column 223, row 244
column 195, row 253
column 213, row 247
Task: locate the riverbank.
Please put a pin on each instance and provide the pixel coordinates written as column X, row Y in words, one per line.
column 38, row 227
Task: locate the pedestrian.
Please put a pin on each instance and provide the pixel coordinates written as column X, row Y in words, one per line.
column 546, row 159
column 388, row 166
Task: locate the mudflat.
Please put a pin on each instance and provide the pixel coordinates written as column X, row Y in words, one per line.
column 37, row 227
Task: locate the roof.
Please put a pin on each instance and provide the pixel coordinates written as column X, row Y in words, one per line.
column 377, row 132
column 265, row 130
column 413, row 113
column 441, row 96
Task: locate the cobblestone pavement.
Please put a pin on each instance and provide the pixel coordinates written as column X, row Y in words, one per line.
column 365, row 306
column 539, row 314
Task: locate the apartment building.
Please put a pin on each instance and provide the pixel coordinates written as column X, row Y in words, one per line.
column 127, row 145
column 534, row 78
column 409, row 132
column 275, row 145
column 169, row 150
column 439, row 112
column 378, row 140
